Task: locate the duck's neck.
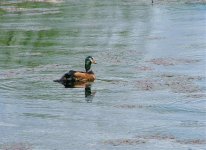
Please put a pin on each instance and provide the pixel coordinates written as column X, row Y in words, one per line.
column 88, row 66
column 88, row 69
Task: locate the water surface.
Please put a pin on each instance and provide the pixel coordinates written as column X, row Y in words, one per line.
column 150, row 87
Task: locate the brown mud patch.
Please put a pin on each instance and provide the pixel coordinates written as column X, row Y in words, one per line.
column 172, row 61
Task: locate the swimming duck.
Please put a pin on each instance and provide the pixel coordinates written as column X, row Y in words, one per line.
column 72, row 78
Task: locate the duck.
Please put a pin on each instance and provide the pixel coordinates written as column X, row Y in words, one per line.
column 79, row 78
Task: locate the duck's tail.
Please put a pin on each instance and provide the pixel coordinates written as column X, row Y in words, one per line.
column 67, row 77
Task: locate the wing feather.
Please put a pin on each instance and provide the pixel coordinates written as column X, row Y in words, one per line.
column 83, row 76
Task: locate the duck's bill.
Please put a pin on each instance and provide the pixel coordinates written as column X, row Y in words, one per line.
column 94, row 61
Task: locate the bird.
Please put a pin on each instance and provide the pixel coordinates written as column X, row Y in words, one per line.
column 79, row 78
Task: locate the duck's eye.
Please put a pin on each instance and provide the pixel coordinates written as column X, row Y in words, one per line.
column 91, row 59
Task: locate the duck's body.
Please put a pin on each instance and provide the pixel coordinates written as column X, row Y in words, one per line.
column 73, row 78
column 79, row 76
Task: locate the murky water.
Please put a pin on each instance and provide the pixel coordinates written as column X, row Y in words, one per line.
column 150, row 87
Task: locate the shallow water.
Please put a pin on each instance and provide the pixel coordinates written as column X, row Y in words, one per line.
column 150, row 86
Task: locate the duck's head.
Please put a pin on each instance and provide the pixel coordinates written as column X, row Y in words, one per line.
column 88, row 61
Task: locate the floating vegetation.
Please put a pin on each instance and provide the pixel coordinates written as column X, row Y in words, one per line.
column 197, row 95
column 47, row 1
column 172, row 61
column 16, row 146
column 191, row 141
column 119, row 142
column 2, row 11
column 148, row 138
column 176, row 83
column 132, row 106
column 29, row 7
column 33, row 4
column 142, row 68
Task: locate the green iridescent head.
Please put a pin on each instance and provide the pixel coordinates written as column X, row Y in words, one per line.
column 88, row 61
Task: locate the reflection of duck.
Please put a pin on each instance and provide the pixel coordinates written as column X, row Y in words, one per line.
column 78, row 78
column 89, row 95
